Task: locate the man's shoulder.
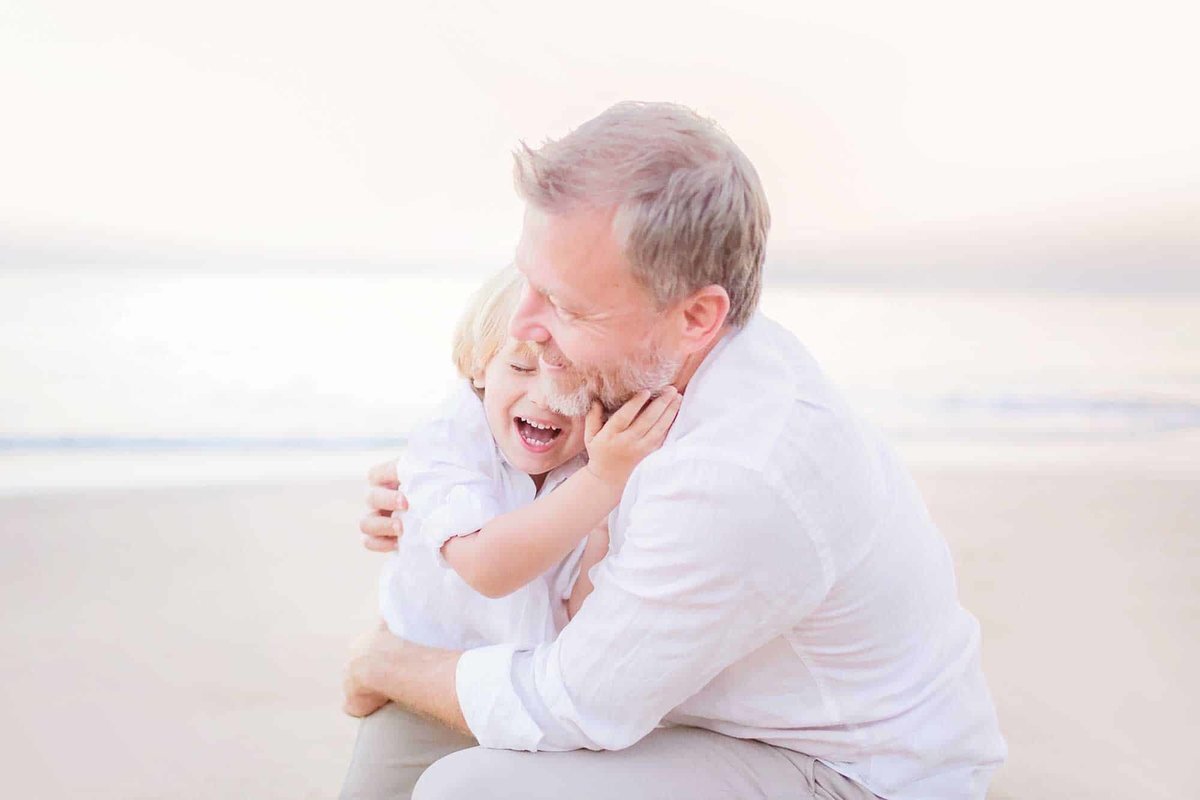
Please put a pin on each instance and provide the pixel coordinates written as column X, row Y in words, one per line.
column 760, row 403
column 765, row 426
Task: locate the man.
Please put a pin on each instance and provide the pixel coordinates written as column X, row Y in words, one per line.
column 777, row 615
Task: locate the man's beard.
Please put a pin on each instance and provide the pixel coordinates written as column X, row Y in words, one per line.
column 571, row 390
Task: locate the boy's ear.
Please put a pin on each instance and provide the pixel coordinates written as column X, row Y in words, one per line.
column 477, row 381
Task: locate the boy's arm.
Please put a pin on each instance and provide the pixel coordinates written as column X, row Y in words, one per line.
column 514, row 548
column 595, row 550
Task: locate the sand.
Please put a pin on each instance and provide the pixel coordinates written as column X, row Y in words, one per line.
column 188, row 642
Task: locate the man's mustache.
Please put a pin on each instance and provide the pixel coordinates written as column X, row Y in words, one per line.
column 547, row 353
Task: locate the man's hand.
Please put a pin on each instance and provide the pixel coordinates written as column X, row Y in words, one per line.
column 384, row 667
column 380, row 529
column 361, row 700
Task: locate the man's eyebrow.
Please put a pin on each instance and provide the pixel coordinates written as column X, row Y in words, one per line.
column 557, row 297
column 568, row 305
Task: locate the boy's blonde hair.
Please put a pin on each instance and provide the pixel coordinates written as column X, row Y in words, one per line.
column 483, row 328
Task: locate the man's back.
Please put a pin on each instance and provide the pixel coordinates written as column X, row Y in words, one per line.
column 772, row 576
column 871, row 664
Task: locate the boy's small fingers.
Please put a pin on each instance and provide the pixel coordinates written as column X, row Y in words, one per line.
column 659, row 431
column 594, row 421
column 654, row 411
column 628, row 412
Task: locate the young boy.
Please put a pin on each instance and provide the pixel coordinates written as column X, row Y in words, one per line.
column 500, row 502
column 502, row 498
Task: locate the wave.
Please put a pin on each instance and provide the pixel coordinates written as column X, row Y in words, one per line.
column 1004, row 415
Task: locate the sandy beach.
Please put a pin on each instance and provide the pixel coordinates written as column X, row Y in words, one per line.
column 188, row 641
column 179, row 515
column 236, row 239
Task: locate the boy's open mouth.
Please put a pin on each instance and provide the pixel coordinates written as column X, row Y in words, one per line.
column 536, row 435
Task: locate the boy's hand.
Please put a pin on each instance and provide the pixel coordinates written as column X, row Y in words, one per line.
column 637, row 429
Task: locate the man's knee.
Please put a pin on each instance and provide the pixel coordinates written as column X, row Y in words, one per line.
column 470, row 775
column 392, row 749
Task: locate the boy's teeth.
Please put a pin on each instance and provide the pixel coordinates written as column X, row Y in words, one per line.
column 536, row 434
column 535, row 441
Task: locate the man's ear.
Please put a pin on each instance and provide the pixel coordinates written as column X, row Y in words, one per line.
column 703, row 315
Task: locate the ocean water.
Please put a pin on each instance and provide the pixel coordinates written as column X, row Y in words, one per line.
column 122, row 377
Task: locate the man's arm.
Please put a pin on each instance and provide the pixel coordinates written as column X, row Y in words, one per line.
column 421, row 679
column 593, row 552
column 713, row 564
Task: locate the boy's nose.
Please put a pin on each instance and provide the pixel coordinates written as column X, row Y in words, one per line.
column 525, row 325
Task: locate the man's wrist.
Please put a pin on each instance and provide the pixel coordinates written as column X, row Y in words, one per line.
column 416, row 677
column 366, row 672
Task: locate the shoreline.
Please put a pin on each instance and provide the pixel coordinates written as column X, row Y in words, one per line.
column 1173, row 454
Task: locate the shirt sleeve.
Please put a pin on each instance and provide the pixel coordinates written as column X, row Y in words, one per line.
column 713, row 564
column 569, row 570
column 461, row 504
column 450, row 475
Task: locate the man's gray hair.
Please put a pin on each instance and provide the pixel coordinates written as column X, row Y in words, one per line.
column 690, row 210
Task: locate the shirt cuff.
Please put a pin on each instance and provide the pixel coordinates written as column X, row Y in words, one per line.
column 489, row 701
column 461, row 513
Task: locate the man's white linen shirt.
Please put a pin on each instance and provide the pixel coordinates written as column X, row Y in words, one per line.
column 772, row 575
column 456, row 480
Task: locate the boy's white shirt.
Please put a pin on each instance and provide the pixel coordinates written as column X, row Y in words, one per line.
column 456, row 480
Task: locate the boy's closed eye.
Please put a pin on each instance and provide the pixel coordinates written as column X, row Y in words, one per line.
column 524, row 369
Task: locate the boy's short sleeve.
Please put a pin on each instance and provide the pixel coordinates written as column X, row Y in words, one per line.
column 456, row 510
column 451, row 474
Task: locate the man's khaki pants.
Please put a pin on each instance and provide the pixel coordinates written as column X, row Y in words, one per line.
column 395, row 754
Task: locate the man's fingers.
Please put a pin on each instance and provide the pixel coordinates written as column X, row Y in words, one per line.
column 628, row 412
column 380, row 529
column 381, row 525
column 384, row 475
column 378, row 544
column 389, row 500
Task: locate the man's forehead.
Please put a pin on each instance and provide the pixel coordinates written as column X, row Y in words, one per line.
column 543, row 278
column 571, row 256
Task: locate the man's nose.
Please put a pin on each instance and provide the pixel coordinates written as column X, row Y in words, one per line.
column 524, row 325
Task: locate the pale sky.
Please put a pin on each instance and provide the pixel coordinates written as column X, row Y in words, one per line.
column 882, row 130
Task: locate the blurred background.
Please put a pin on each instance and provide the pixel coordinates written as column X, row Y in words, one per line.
column 234, row 238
